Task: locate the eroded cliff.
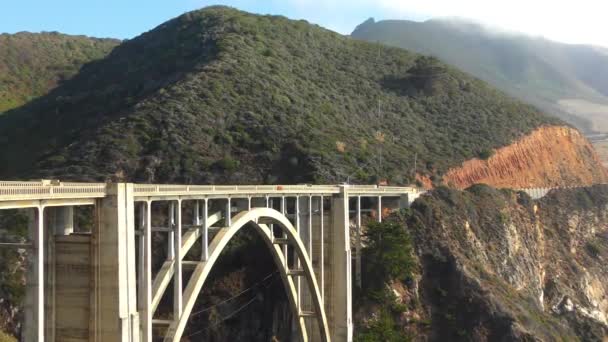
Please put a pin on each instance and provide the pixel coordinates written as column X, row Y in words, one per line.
column 494, row 265
column 550, row 156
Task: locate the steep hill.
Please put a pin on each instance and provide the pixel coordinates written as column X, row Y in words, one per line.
column 33, row 63
column 219, row 95
column 570, row 81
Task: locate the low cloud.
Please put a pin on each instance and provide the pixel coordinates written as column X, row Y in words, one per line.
column 581, row 21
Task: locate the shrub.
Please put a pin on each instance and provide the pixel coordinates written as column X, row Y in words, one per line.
column 383, row 328
column 228, row 164
column 593, row 249
column 485, row 154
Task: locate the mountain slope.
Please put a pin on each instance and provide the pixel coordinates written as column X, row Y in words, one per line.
column 569, row 81
column 219, row 95
column 33, row 63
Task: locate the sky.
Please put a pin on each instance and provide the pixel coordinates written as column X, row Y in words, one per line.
column 578, row 22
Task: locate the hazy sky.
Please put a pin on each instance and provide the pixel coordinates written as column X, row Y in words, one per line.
column 581, row 21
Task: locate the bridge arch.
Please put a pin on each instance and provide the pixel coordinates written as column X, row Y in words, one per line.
column 259, row 218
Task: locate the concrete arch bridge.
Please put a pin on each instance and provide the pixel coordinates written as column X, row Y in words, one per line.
column 100, row 285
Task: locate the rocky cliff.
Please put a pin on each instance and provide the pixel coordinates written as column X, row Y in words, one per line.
column 12, row 273
column 549, row 156
column 494, row 265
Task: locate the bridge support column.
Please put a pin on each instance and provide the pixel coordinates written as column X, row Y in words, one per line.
column 404, row 202
column 283, row 211
column 358, row 245
column 379, row 208
column 322, row 246
column 297, row 260
column 205, row 231
column 61, row 220
column 60, row 224
column 34, row 297
column 177, row 273
column 341, row 278
column 145, row 299
column 114, row 298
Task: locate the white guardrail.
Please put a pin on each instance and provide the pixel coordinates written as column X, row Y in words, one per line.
column 536, row 193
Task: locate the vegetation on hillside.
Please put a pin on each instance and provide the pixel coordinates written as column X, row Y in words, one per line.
column 219, row 95
column 538, row 71
column 387, row 257
column 33, row 63
column 13, row 228
column 6, row 338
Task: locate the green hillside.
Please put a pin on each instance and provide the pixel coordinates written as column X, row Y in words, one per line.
column 219, row 95
column 570, row 81
column 33, row 63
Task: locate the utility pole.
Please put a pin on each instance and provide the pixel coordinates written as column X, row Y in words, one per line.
column 415, row 161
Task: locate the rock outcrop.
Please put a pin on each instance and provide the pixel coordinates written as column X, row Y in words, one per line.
column 495, row 265
column 550, row 156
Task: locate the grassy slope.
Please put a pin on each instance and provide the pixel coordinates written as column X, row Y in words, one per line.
column 535, row 70
column 219, row 95
column 31, row 64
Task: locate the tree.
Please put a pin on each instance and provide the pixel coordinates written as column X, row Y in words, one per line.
column 387, row 255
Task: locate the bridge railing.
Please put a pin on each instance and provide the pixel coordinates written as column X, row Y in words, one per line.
column 379, row 190
column 142, row 190
column 50, row 189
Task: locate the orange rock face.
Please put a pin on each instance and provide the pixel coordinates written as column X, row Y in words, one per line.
column 426, row 182
column 549, row 156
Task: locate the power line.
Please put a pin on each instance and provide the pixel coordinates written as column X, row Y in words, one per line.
column 232, row 314
column 225, row 318
column 235, row 296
